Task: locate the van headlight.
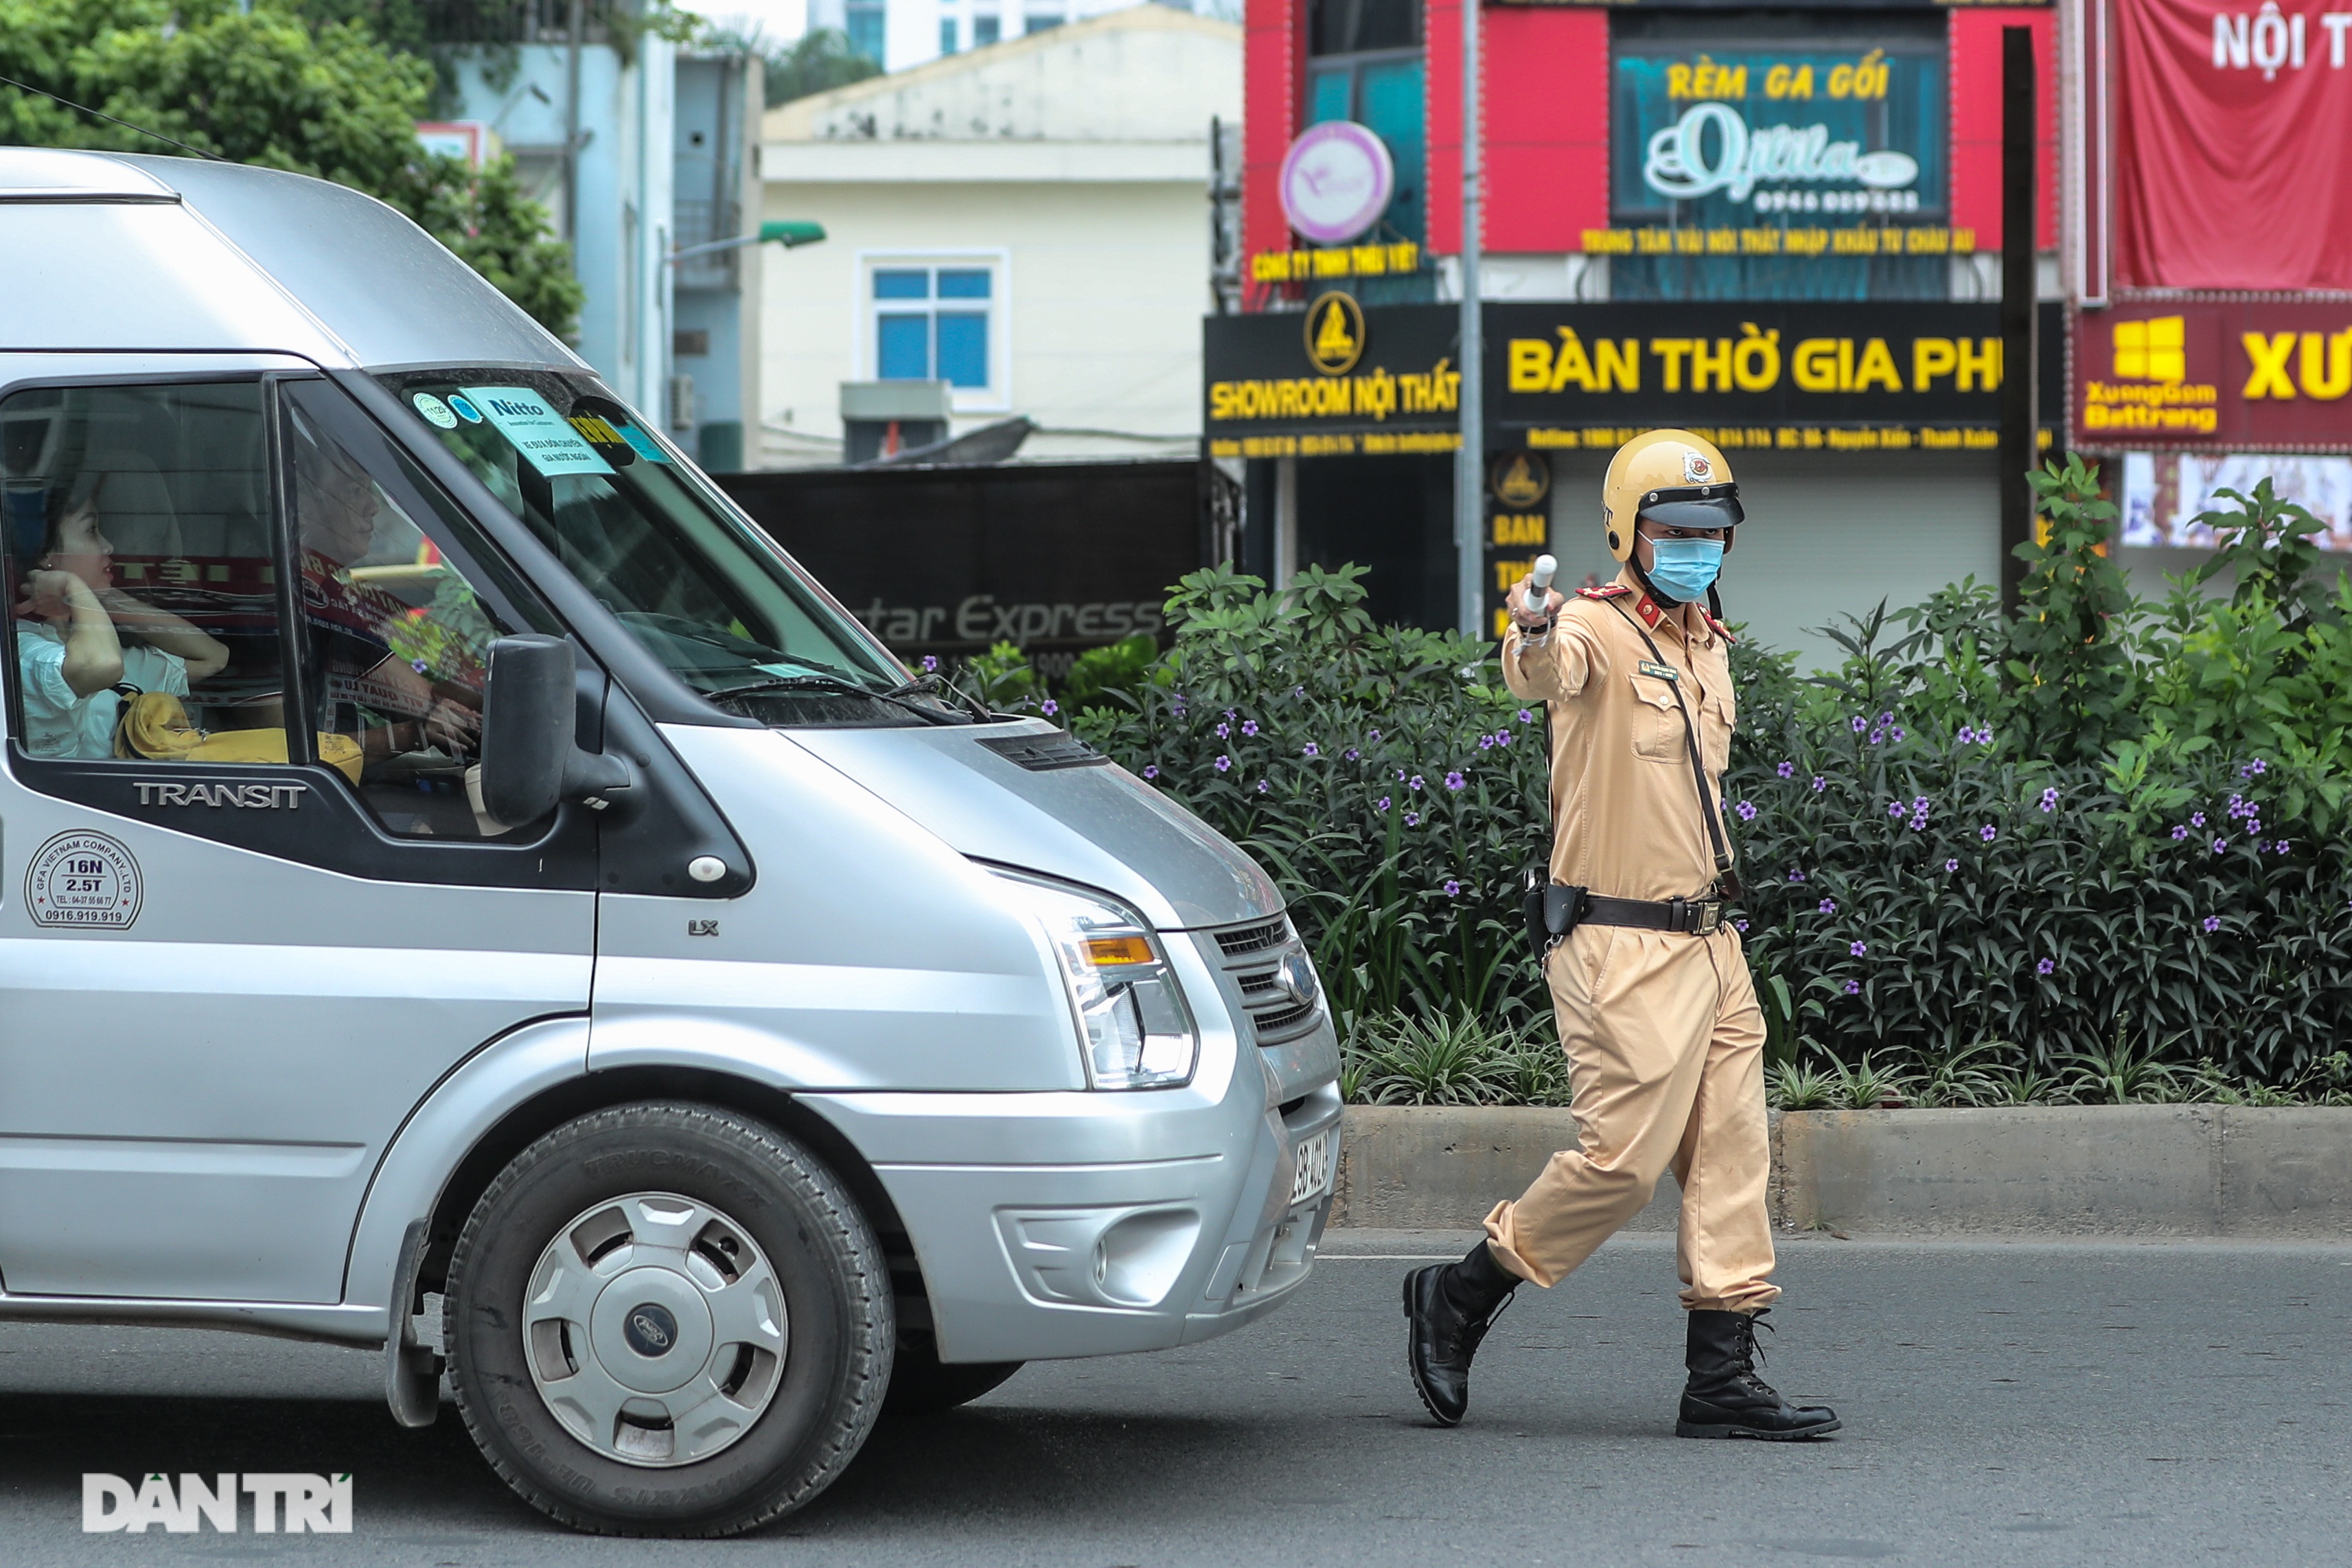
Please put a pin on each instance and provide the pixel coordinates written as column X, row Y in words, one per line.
column 1135, row 1029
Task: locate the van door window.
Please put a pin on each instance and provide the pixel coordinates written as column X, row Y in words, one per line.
column 141, row 578
column 395, row 632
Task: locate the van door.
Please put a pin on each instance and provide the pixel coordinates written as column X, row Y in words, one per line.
column 248, row 916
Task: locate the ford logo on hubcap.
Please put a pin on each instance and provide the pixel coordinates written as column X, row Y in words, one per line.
column 1297, row 978
column 650, row 1330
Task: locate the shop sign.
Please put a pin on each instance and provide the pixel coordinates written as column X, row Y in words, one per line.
column 2237, row 376
column 1382, row 261
column 1795, row 374
column 1334, row 380
column 2164, row 494
column 2232, row 125
column 1336, row 181
column 1807, row 139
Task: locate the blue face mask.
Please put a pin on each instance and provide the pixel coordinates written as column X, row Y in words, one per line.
column 1687, row 567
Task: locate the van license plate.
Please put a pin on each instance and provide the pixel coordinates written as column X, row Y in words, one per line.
column 1310, row 1167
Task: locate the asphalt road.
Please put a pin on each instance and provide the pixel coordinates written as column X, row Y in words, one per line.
column 2004, row 1404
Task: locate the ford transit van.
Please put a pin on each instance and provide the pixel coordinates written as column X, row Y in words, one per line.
column 462, row 890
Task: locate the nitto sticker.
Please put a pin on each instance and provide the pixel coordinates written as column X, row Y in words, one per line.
column 537, row 430
column 436, row 412
column 82, row 879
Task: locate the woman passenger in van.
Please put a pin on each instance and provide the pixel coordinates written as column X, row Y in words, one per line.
column 72, row 649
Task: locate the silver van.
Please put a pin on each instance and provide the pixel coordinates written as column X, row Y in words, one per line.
column 466, row 891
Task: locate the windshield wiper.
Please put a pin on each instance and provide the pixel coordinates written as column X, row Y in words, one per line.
column 834, row 685
column 939, row 685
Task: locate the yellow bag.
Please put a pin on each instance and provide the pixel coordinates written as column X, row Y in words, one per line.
column 155, row 725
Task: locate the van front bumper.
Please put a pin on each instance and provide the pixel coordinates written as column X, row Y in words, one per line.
column 1075, row 1223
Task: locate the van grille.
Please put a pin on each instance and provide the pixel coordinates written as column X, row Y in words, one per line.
column 1253, row 939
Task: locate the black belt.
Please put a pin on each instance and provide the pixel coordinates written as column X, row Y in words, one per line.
column 1700, row 917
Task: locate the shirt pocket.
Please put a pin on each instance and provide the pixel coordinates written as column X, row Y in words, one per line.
column 1657, row 721
column 1717, row 716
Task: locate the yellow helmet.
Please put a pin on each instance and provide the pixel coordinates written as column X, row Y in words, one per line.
column 1671, row 477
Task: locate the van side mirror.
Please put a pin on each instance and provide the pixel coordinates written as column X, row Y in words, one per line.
column 530, row 759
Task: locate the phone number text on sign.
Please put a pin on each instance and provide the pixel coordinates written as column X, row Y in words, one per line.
column 82, row 879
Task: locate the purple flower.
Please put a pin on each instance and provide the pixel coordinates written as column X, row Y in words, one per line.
column 1310, row 749
column 1298, row 692
column 1249, row 726
column 2235, row 802
column 1383, row 805
column 1877, row 736
column 1526, row 717
column 1486, row 742
column 1223, row 763
column 1453, row 779
column 1894, row 808
column 1747, row 811
column 1920, row 805
column 2197, row 819
column 1413, row 819
column 1353, row 754
column 1263, row 787
column 1988, row 833
column 1820, row 784
column 1739, row 926
column 1951, row 865
column 2049, row 800
column 1854, row 987
column 2045, row 967
column 1966, row 737
column 1232, row 712
column 1502, row 737
column 2220, row 845
column 1452, row 888
column 2178, row 834
column 1413, row 782
column 1399, row 775
column 1051, row 707
column 2258, row 766
column 1372, row 734
column 1917, row 823
column 1858, row 948
column 1896, row 732
column 1984, row 737
column 1151, row 770
column 2280, row 846
column 2254, row 825
column 1797, row 876
column 1223, row 730
column 1786, row 770
column 931, row 663
column 2212, row 924
column 1828, row 906
column 1860, row 723
column 1887, row 718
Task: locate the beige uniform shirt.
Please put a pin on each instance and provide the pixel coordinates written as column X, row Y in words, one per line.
column 1622, row 794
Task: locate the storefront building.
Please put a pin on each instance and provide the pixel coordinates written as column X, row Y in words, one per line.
column 1778, row 226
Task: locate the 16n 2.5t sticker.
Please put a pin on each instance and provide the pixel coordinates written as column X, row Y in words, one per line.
column 82, row 878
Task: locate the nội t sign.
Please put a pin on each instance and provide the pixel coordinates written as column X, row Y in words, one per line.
column 1785, row 373
column 2238, row 375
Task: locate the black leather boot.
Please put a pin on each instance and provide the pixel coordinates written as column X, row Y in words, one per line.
column 1725, row 1398
column 1450, row 1307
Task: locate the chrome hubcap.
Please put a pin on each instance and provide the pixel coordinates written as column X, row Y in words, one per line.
column 655, row 1329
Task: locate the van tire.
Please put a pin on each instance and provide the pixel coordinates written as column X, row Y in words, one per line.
column 830, row 1271
column 922, row 1384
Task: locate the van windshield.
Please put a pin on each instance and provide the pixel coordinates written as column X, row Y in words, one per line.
column 724, row 610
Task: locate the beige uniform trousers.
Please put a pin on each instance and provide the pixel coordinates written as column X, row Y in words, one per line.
column 1666, row 1046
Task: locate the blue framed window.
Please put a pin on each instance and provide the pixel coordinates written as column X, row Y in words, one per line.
column 947, row 35
column 862, row 20
column 986, row 30
column 930, row 324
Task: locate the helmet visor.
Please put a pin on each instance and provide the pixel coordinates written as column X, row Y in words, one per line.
column 1710, row 507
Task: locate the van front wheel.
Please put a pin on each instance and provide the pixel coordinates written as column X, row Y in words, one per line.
column 669, row 1319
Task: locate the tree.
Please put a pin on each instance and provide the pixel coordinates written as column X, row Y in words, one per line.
column 268, row 88
column 823, row 60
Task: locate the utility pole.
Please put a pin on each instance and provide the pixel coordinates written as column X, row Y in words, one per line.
column 2021, row 315
column 1470, row 463
column 577, row 30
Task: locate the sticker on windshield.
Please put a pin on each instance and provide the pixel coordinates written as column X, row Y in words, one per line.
column 465, row 410
column 643, row 444
column 82, row 879
column 537, row 430
column 436, row 412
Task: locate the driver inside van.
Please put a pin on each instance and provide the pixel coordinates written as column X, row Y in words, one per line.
column 85, row 645
column 348, row 621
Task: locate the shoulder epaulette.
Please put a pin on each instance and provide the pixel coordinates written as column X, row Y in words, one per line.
column 1720, row 629
column 1606, row 590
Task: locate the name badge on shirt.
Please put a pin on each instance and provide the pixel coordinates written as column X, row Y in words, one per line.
column 1663, row 671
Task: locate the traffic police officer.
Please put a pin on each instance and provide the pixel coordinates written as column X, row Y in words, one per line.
column 1650, row 986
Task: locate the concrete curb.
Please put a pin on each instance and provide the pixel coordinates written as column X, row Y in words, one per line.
column 2246, row 1171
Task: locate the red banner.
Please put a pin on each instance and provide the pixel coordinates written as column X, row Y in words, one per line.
column 2232, row 135
column 2239, row 377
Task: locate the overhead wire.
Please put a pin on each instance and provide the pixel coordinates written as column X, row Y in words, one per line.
column 112, row 120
